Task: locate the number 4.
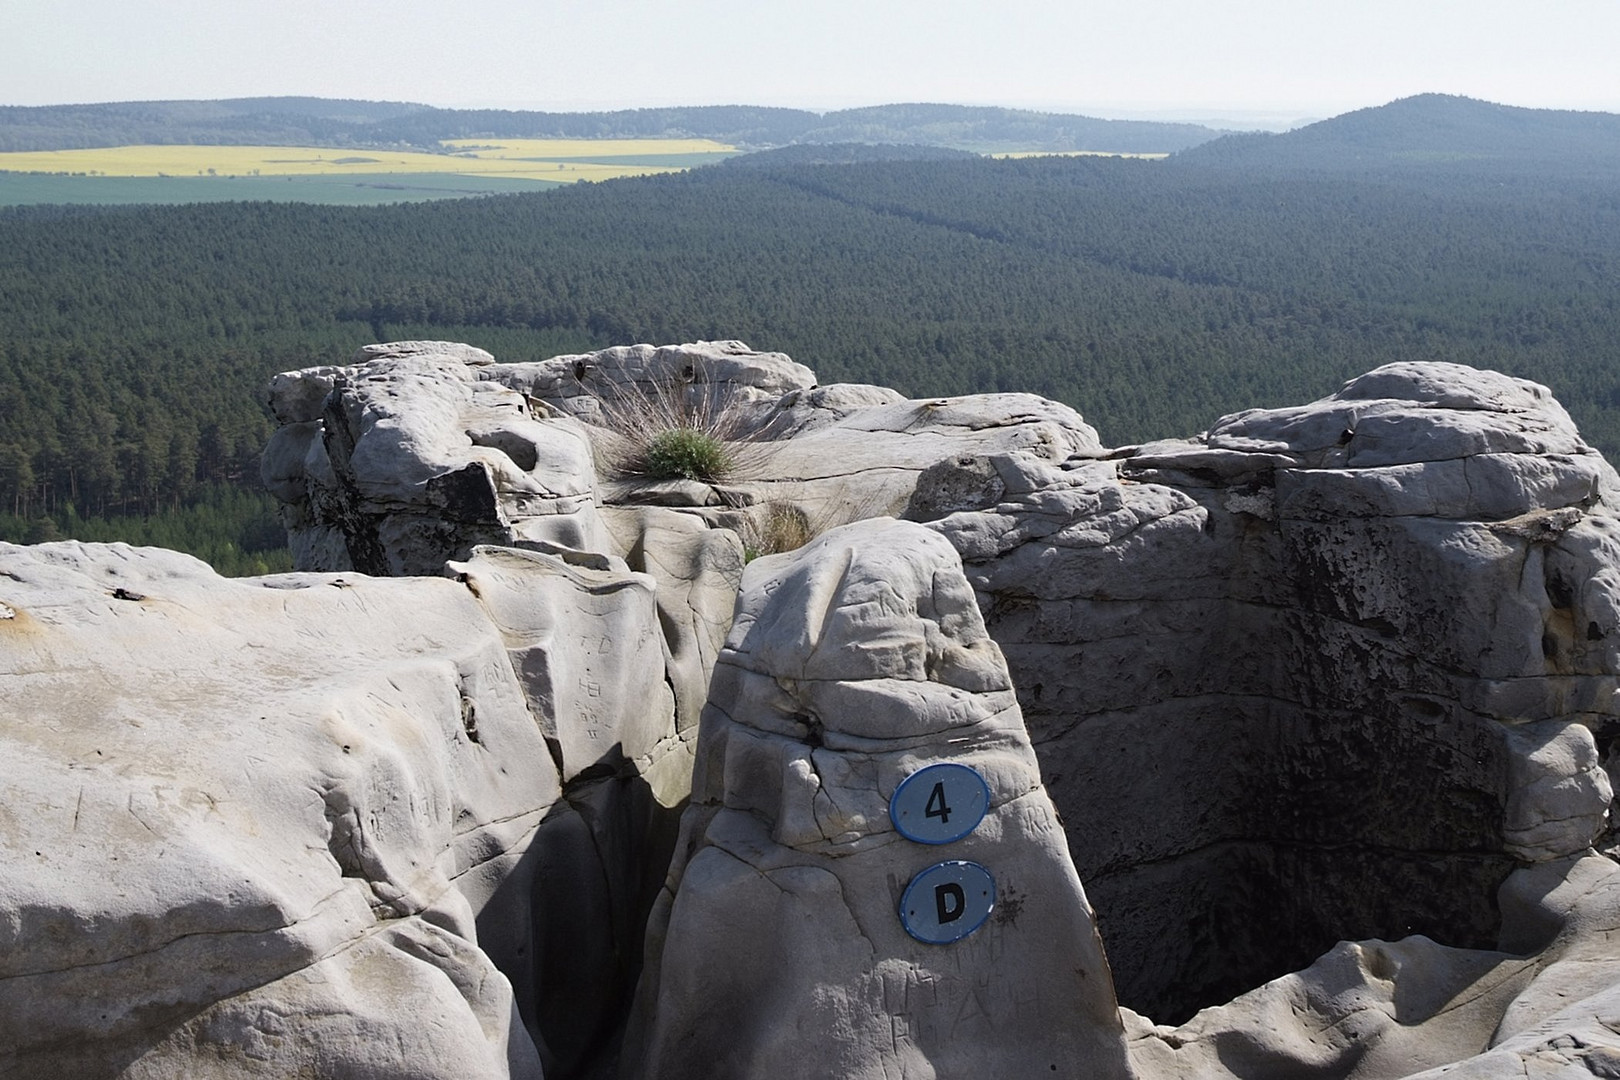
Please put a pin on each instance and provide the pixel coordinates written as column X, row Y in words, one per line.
column 937, row 807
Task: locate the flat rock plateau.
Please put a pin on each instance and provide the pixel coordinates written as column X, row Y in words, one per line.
column 1290, row 743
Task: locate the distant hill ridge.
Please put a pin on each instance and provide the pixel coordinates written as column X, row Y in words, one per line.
column 848, row 153
column 1425, row 131
column 328, row 122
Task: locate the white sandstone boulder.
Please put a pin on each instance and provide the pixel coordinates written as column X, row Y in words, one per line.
column 236, row 817
column 779, row 949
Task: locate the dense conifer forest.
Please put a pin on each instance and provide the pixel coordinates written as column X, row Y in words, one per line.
column 1152, row 295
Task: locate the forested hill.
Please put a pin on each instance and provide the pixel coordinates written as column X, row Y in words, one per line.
column 1437, row 133
column 320, row 122
column 1154, row 296
column 851, row 153
column 988, row 129
column 288, row 121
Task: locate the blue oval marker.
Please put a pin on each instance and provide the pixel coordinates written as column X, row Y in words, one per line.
column 947, row 902
column 939, row 803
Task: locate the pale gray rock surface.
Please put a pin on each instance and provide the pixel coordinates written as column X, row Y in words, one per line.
column 565, row 908
column 419, row 451
column 1325, row 697
column 706, row 376
column 777, row 949
column 325, row 822
column 412, row 456
column 1546, row 1005
column 583, row 643
column 868, row 462
column 1363, row 648
column 238, row 817
column 697, row 571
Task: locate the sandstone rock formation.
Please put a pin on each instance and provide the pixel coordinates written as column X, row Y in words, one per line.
column 777, row 949
column 419, row 451
column 408, row 458
column 317, row 822
column 241, row 819
column 1325, row 699
column 1364, row 650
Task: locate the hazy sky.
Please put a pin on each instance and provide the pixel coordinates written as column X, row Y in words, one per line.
column 1292, row 57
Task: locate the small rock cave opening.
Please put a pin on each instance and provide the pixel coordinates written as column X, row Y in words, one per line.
column 1226, row 841
column 1607, row 737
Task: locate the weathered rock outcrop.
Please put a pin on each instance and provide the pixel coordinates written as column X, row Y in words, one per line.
column 408, row 458
column 1364, row 651
column 1325, row 698
column 567, row 905
column 777, row 949
column 419, row 451
column 241, row 819
column 307, row 822
column 842, row 453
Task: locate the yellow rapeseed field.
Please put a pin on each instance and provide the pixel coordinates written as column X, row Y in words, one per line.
column 515, row 159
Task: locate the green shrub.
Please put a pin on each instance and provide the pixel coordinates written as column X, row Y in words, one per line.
column 686, row 453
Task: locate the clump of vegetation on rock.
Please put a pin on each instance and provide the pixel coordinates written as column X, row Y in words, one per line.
column 783, row 526
column 676, row 430
column 687, row 453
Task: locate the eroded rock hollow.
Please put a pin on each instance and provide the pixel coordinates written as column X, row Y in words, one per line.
column 1295, row 738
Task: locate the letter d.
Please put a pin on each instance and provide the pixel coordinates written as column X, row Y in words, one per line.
column 949, row 902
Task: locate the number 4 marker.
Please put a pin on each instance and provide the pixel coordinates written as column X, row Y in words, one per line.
column 940, row 803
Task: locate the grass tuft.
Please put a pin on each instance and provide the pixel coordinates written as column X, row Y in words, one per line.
column 775, row 527
column 687, row 453
column 682, row 429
